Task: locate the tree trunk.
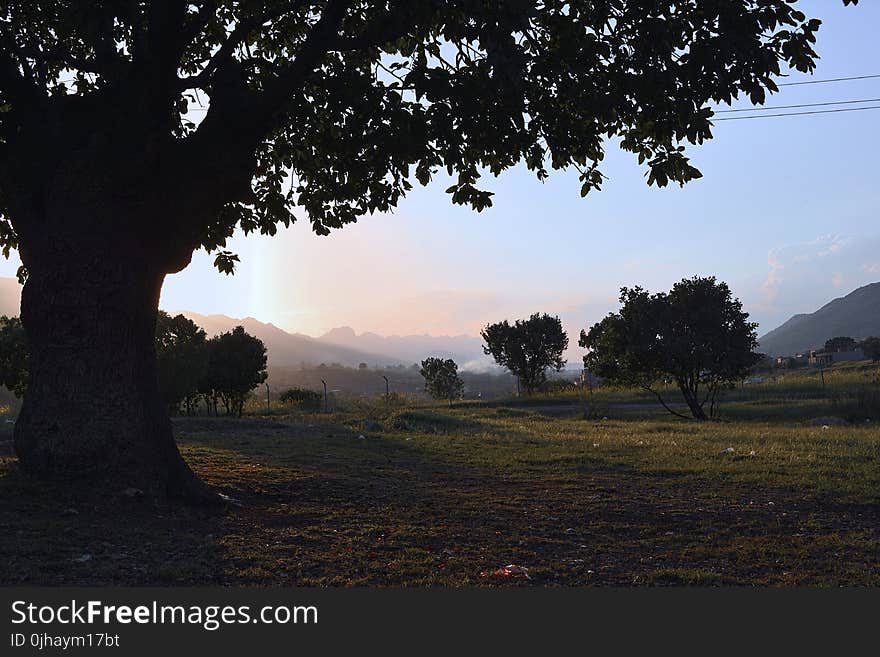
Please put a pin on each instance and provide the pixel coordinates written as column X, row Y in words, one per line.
column 692, row 400
column 93, row 411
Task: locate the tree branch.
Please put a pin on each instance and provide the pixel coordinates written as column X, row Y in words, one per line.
column 14, row 81
column 660, row 399
column 389, row 27
column 316, row 44
column 199, row 21
column 235, row 38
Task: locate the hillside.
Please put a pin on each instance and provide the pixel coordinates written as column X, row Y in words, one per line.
column 10, row 297
column 856, row 315
column 290, row 349
column 466, row 350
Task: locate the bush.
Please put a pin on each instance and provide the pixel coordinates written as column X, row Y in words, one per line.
column 557, row 386
column 301, row 398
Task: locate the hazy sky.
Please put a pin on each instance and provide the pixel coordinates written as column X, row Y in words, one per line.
column 786, row 213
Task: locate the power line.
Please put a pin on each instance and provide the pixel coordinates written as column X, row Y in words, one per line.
column 778, row 107
column 755, row 109
column 847, row 79
column 767, row 116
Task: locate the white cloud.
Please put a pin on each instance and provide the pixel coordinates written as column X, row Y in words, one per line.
column 803, row 276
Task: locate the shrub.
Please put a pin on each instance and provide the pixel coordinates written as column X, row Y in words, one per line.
column 557, row 386
column 301, row 398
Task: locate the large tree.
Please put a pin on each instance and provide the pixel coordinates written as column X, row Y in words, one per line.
column 108, row 183
column 528, row 348
column 696, row 335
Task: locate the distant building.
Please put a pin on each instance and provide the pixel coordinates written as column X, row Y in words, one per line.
column 823, row 357
column 843, row 356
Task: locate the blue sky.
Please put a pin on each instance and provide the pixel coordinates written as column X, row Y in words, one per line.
column 786, row 213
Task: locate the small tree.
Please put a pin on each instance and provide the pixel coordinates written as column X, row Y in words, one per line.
column 362, row 366
column 527, row 347
column 871, row 347
column 441, row 378
column 236, row 365
column 182, row 357
column 13, row 355
column 696, row 335
column 840, row 343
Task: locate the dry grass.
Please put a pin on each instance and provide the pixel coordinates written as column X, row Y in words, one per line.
column 445, row 497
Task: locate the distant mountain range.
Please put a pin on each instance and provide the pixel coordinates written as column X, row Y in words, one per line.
column 466, row 350
column 857, row 315
column 291, row 349
column 10, row 297
column 340, row 345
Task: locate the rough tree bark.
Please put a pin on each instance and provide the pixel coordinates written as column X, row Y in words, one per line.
column 101, row 220
column 689, row 392
column 93, row 410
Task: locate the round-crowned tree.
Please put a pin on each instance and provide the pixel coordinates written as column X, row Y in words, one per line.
column 236, row 365
column 696, row 335
column 132, row 133
column 528, row 348
column 441, row 378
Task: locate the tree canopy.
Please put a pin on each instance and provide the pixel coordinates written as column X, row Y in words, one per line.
column 219, row 104
column 696, row 335
column 528, row 348
column 441, row 378
column 840, row 343
column 871, row 347
column 236, row 365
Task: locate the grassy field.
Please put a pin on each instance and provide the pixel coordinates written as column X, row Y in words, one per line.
column 430, row 495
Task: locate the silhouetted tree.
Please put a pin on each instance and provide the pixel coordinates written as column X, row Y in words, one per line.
column 697, row 335
column 236, row 365
column 182, row 356
column 441, row 378
column 13, row 355
column 108, row 182
column 840, row 343
column 527, row 348
column 871, row 347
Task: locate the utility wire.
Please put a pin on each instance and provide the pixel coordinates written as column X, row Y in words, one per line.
column 778, row 107
column 767, row 116
column 847, row 79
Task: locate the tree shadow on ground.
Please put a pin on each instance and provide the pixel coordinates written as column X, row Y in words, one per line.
column 321, row 506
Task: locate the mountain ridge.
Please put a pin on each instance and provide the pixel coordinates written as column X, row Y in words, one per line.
column 856, row 315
